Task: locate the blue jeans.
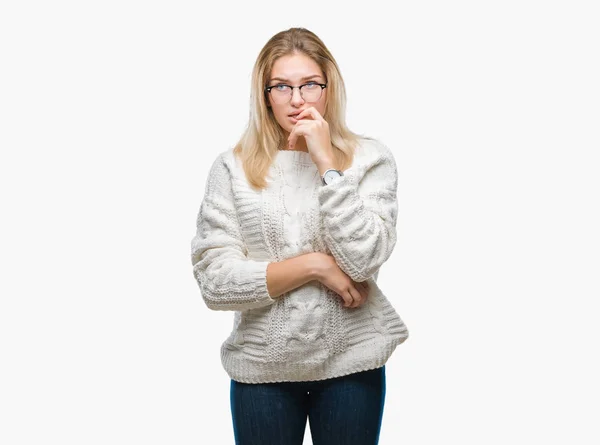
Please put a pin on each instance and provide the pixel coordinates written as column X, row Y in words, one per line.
column 344, row 410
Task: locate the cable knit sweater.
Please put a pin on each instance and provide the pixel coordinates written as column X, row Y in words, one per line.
column 306, row 334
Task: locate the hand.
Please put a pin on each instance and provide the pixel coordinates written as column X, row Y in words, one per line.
column 315, row 130
column 329, row 273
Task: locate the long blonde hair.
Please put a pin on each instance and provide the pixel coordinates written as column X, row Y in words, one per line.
column 263, row 136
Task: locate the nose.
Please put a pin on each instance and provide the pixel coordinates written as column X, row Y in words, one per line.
column 296, row 96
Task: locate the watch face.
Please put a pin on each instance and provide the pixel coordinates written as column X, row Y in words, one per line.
column 331, row 176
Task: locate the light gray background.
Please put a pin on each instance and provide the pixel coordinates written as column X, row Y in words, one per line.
column 110, row 115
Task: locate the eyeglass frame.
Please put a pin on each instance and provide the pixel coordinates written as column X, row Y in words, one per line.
column 322, row 85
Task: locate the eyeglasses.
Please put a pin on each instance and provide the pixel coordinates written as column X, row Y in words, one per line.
column 310, row 92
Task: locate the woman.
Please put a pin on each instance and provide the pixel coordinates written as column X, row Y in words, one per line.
column 295, row 223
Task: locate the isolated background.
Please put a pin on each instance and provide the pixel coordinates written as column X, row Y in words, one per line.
column 110, row 115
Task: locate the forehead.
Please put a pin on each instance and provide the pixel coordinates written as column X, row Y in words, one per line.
column 295, row 67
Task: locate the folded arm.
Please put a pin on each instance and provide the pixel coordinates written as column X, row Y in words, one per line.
column 359, row 213
column 228, row 280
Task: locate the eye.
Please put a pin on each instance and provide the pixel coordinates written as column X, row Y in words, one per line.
column 281, row 87
column 311, row 85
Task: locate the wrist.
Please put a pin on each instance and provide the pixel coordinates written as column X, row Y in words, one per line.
column 317, row 264
column 325, row 165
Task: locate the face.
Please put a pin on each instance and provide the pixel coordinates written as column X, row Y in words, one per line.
column 295, row 70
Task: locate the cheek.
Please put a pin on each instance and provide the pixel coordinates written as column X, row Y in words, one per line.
column 322, row 106
column 280, row 117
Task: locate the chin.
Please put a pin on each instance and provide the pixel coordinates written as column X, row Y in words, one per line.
column 287, row 126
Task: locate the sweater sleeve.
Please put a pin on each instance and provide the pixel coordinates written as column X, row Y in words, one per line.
column 359, row 213
column 228, row 280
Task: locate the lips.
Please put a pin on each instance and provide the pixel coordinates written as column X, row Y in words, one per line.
column 295, row 113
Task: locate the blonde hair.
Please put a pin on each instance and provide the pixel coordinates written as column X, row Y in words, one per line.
column 263, row 135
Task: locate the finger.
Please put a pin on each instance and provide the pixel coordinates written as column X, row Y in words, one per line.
column 361, row 289
column 311, row 112
column 366, row 288
column 292, row 138
column 297, row 131
column 355, row 296
column 348, row 300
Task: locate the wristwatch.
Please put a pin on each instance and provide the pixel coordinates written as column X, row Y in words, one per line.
column 330, row 176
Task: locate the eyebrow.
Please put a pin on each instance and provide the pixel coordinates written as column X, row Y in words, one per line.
column 303, row 78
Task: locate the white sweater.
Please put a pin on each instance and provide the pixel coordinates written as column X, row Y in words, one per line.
column 306, row 334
